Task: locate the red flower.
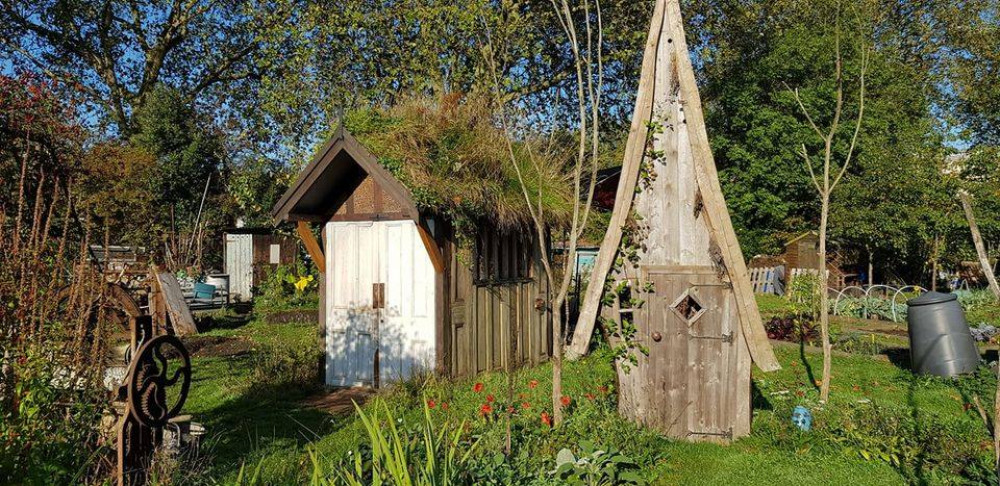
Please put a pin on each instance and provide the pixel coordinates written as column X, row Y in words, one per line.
column 564, row 401
column 590, row 396
column 525, row 405
column 444, row 405
column 489, row 398
column 510, row 409
column 532, row 384
column 546, row 419
column 485, row 410
column 478, row 387
column 603, row 389
column 431, row 404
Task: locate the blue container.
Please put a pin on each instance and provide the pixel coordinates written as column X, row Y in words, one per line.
column 802, row 418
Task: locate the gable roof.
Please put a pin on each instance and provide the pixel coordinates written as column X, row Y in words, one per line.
column 316, row 192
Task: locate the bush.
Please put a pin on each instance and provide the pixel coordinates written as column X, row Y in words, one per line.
column 289, row 286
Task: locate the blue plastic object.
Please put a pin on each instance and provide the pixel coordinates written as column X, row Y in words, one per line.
column 204, row 291
column 802, row 418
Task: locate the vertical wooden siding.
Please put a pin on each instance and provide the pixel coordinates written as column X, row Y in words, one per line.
column 493, row 320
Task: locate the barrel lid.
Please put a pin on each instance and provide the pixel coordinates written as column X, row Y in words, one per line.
column 931, row 298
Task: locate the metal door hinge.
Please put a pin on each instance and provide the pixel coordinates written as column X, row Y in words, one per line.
column 726, row 338
column 728, row 434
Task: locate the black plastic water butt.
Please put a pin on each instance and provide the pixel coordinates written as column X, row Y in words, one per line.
column 940, row 341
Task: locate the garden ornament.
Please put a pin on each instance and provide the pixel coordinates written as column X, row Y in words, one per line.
column 802, row 418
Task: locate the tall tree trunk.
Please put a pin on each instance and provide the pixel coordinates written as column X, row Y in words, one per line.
column 824, row 316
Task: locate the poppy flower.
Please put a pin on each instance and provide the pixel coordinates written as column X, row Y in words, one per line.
column 431, row 404
column 532, row 384
column 546, row 419
column 564, row 401
column 444, row 405
column 478, row 387
column 510, row 409
column 603, row 389
column 590, row 396
column 489, row 398
column 485, row 410
column 525, row 405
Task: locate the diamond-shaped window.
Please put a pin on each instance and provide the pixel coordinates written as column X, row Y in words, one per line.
column 688, row 308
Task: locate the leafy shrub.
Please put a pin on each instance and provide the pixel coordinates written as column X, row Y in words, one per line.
column 289, row 286
column 868, row 307
column 596, row 466
column 912, row 442
column 274, row 365
column 49, row 434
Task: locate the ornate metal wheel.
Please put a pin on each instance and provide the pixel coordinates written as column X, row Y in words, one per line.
column 159, row 366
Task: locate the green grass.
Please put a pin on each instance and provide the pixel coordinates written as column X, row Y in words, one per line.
column 253, row 420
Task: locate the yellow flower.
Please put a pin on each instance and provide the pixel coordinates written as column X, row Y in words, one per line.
column 303, row 282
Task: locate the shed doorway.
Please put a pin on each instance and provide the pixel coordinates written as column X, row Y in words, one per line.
column 380, row 302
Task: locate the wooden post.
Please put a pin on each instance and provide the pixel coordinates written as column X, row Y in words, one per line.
column 312, row 246
column 977, row 239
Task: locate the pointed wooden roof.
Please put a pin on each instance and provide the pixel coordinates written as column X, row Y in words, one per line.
column 332, row 173
column 666, row 46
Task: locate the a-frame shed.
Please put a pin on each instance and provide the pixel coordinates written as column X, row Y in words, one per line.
column 681, row 282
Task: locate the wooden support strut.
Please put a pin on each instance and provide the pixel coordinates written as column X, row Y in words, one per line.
column 312, row 246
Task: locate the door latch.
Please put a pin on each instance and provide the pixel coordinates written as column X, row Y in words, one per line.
column 378, row 296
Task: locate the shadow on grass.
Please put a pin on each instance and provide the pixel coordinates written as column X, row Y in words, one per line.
column 900, row 357
column 805, row 363
column 267, row 420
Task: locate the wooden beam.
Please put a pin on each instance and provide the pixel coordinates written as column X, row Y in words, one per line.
column 977, row 239
column 720, row 225
column 432, row 249
column 634, row 152
column 312, row 246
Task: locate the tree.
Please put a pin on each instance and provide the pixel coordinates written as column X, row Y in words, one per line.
column 117, row 51
column 587, row 51
column 827, row 175
column 189, row 169
column 969, row 39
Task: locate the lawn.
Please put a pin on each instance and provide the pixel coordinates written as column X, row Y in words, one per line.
column 882, row 426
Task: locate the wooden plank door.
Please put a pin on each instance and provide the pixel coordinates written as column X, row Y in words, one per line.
column 690, row 327
column 407, row 318
column 239, row 265
column 352, row 322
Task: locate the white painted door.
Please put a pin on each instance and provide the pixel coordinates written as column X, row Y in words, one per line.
column 239, row 265
column 360, row 255
column 406, row 333
column 352, row 323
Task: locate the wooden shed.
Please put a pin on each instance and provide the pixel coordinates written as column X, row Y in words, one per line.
column 395, row 298
column 681, row 298
column 251, row 254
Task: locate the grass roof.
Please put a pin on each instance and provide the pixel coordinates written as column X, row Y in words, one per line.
column 454, row 158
